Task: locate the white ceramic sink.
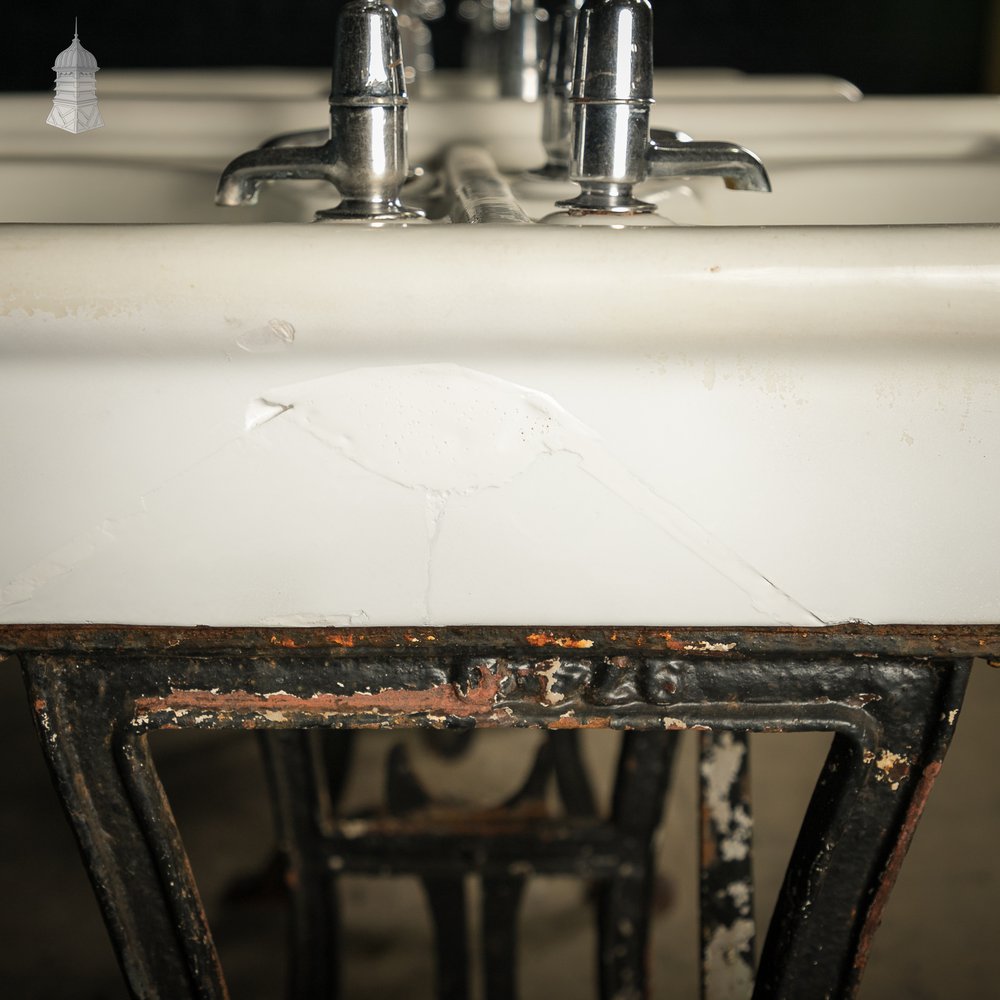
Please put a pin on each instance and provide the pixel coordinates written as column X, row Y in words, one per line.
column 73, row 190
column 899, row 191
column 879, row 192
column 447, row 424
column 269, row 84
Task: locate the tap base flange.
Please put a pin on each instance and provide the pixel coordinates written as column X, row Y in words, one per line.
column 366, row 212
column 593, row 201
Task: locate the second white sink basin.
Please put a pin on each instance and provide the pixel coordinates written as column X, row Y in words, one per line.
column 880, row 192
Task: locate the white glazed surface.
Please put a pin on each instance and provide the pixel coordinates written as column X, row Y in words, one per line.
column 296, row 424
column 211, row 130
column 325, row 425
column 445, row 84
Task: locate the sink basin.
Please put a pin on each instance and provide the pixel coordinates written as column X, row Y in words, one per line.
column 763, row 419
column 889, row 192
column 73, row 190
column 207, row 129
column 901, row 191
column 444, row 84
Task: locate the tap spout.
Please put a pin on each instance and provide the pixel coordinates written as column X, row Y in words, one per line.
column 240, row 182
column 739, row 168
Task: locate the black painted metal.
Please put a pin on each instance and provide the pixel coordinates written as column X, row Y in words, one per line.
column 446, row 896
column 644, row 770
column 571, row 775
column 726, row 882
column 449, row 912
column 501, row 905
column 125, row 829
column 890, row 696
column 300, row 789
column 443, row 844
column 856, row 832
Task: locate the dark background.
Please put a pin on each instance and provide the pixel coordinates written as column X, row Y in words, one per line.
column 883, row 46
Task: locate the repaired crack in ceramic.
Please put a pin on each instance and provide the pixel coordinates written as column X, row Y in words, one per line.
column 448, row 431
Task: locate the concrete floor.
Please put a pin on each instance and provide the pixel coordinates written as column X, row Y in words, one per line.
column 937, row 940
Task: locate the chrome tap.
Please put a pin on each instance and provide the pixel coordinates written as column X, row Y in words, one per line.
column 556, row 87
column 518, row 52
column 365, row 153
column 415, row 37
column 503, row 40
column 611, row 148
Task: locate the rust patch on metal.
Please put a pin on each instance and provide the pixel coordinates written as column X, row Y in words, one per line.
column 346, row 640
column 539, row 639
column 572, row 722
column 442, row 698
column 891, row 872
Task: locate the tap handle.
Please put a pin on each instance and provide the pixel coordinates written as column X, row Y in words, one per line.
column 614, row 52
column 368, row 63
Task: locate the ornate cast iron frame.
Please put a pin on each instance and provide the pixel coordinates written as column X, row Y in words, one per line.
column 890, row 696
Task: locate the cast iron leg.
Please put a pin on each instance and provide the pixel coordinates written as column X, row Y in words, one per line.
column 445, row 896
column 571, row 774
column 446, row 899
column 856, row 833
column 125, row 829
column 299, row 785
column 726, row 822
column 501, row 902
column 623, row 906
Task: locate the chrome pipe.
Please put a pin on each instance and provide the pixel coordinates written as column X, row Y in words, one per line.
column 481, row 195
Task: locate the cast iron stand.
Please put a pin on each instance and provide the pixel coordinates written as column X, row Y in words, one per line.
column 890, row 696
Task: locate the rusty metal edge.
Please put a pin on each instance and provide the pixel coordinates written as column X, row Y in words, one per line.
column 737, row 643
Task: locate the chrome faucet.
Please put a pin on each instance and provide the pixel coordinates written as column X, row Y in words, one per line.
column 611, row 148
column 556, row 87
column 518, row 51
column 365, row 153
column 416, row 39
column 504, row 40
